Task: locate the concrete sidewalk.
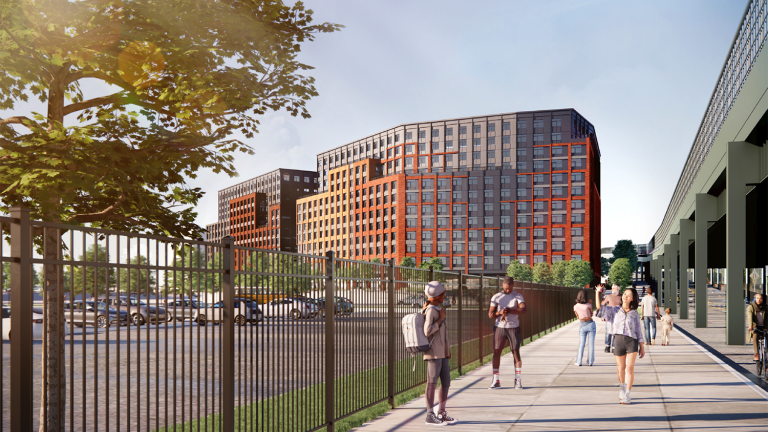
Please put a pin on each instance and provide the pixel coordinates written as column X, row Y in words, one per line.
column 677, row 387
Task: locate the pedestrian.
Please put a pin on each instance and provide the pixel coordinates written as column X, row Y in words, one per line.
column 611, row 303
column 628, row 344
column 505, row 308
column 756, row 317
column 666, row 326
column 587, row 328
column 438, row 354
column 650, row 309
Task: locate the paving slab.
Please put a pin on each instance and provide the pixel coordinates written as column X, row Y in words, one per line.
column 677, row 387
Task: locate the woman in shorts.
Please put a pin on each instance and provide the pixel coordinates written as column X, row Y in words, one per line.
column 628, row 334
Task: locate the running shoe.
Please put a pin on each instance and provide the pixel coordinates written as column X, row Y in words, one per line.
column 433, row 420
column 447, row 419
column 495, row 384
column 518, row 383
column 622, row 392
column 627, row 398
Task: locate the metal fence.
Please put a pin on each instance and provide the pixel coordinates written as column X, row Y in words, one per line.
column 227, row 338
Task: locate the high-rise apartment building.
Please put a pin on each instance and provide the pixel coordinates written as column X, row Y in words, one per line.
column 475, row 192
column 261, row 212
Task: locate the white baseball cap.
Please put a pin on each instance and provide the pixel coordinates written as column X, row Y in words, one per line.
column 434, row 289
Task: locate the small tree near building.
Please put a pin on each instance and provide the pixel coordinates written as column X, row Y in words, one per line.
column 519, row 271
column 542, row 273
column 625, row 249
column 434, row 262
column 621, row 272
column 407, row 262
column 558, row 272
column 579, row 274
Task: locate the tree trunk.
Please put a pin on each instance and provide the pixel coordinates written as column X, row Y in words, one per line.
column 53, row 400
column 54, row 384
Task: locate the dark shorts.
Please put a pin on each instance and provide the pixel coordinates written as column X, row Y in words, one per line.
column 501, row 335
column 624, row 345
column 439, row 368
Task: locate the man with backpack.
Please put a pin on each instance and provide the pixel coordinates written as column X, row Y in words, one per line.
column 437, row 355
column 505, row 308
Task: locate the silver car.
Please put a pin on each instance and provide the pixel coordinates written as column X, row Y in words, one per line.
column 138, row 310
column 290, row 307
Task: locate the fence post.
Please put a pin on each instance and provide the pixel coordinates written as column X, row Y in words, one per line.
column 228, row 335
column 21, row 316
column 391, row 332
column 480, row 324
column 461, row 323
column 330, row 344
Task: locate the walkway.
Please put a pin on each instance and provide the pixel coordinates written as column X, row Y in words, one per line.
column 678, row 387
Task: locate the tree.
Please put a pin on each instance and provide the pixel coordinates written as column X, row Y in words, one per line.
column 178, row 78
column 542, row 273
column 435, row 262
column 519, row 271
column 579, row 274
column 407, row 262
column 625, row 249
column 558, row 271
column 621, row 272
column 605, row 266
column 93, row 281
column 137, row 281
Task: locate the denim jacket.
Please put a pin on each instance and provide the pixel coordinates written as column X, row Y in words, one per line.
column 627, row 324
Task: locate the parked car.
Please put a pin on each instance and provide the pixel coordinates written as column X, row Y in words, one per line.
column 418, row 300
column 138, row 310
column 345, row 305
column 95, row 313
column 290, row 307
column 181, row 309
column 247, row 311
column 37, row 323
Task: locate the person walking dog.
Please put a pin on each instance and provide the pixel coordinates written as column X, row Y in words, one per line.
column 505, row 308
column 650, row 315
column 587, row 329
column 628, row 335
column 438, row 366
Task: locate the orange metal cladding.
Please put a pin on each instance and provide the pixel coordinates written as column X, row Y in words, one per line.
column 334, row 218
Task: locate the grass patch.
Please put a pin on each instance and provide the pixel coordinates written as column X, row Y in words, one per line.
column 304, row 409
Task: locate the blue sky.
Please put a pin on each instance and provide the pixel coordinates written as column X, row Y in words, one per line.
column 641, row 72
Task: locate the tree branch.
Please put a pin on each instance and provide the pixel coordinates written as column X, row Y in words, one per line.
column 16, row 120
column 91, row 103
column 93, row 217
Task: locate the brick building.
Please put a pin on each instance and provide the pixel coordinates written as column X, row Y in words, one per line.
column 261, row 212
column 475, row 192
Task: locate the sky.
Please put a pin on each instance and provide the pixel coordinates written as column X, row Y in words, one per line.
column 641, row 72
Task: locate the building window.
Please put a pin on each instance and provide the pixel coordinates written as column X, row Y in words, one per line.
column 578, row 163
column 557, row 137
column 577, row 204
column 577, row 245
column 577, row 177
column 522, row 166
column 408, row 136
column 538, row 138
column 491, row 141
column 506, row 139
column 577, row 232
column 491, row 154
column 521, row 139
column 522, row 152
column 578, row 191
column 577, row 218
column 462, row 130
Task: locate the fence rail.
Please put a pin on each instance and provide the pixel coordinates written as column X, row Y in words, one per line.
column 155, row 333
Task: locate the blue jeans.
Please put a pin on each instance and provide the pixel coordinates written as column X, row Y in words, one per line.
column 650, row 328
column 587, row 329
column 608, row 335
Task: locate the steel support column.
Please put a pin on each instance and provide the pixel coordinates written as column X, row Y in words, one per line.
column 742, row 162
column 674, row 275
column 706, row 210
column 687, row 233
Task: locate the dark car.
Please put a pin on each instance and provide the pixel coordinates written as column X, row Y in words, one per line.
column 139, row 311
column 94, row 313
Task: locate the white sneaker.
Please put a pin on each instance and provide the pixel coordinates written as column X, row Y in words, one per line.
column 622, row 392
column 495, row 384
column 627, row 398
column 518, row 383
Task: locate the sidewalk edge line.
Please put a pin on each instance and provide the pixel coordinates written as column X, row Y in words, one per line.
column 726, row 366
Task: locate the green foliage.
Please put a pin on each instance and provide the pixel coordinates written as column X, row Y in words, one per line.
column 136, row 280
column 605, row 266
column 169, row 84
column 435, row 262
column 579, row 274
column 625, row 249
column 558, row 272
column 542, row 273
column 621, row 272
column 376, row 260
column 519, row 271
column 407, row 262
column 93, row 281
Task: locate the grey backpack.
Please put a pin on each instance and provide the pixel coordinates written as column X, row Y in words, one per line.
column 413, row 332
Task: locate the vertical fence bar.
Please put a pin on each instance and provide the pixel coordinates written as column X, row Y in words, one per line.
column 330, row 352
column 481, row 332
column 21, row 319
column 461, row 325
column 228, row 336
column 391, row 332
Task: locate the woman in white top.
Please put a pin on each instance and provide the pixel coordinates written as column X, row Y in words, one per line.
column 650, row 314
column 587, row 329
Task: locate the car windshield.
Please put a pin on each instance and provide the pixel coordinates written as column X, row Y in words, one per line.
column 97, row 305
column 133, row 302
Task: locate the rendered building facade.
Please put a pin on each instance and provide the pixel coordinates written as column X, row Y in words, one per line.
column 475, row 192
